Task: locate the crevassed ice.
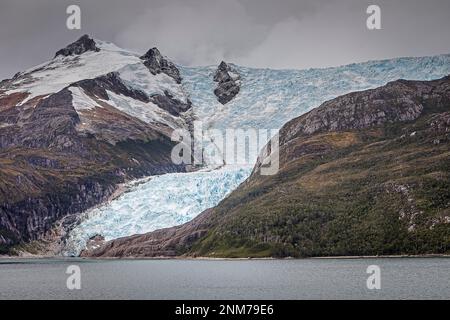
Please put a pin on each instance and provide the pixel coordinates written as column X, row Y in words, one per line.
column 58, row 73
column 165, row 200
column 267, row 100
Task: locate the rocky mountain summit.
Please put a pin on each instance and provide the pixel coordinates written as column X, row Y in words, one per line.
column 366, row 173
column 85, row 43
column 156, row 63
column 228, row 83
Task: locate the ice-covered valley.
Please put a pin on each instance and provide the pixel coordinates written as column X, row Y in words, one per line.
column 156, row 202
column 267, row 100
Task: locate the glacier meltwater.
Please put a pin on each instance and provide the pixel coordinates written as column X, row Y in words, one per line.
column 267, row 100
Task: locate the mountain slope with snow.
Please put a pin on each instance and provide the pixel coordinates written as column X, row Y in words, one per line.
column 65, row 71
column 73, row 128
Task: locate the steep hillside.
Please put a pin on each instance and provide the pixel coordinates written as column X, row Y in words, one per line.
column 367, row 173
column 75, row 127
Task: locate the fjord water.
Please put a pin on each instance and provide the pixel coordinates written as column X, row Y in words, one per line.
column 401, row 278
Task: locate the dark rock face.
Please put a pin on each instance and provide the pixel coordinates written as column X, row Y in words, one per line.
column 400, row 100
column 51, row 124
column 107, row 123
column 228, row 83
column 111, row 82
column 156, row 63
column 31, row 218
column 82, row 45
column 222, row 74
column 170, row 104
column 97, row 88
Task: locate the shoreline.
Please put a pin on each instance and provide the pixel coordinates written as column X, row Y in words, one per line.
column 37, row 257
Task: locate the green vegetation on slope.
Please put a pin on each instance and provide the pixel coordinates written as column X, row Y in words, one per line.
column 377, row 191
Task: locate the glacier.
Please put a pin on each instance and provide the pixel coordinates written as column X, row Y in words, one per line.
column 154, row 203
column 268, row 99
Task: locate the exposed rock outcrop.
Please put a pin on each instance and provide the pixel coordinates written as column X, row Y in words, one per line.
column 82, row 45
column 156, row 63
column 50, row 124
column 107, row 123
column 400, row 100
column 31, row 218
column 228, row 83
column 169, row 103
column 113, row 83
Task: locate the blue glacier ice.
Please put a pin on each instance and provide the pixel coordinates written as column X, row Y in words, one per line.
column 155, row 203
column 267, row 100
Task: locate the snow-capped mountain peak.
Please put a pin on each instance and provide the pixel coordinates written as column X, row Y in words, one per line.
column 89, row 58
column 107, row 85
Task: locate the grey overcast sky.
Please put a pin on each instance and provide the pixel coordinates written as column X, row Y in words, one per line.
column 258, row 33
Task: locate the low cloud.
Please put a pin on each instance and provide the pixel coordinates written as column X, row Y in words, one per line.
column 258, row 33
column 288, row 34
column 196, row 33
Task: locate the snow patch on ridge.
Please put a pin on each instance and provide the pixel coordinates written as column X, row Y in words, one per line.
column 138, row 77
column 145, row 111
column 81, row 101
column 62, row 71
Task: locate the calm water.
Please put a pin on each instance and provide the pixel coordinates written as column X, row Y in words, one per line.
column 401, row 278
